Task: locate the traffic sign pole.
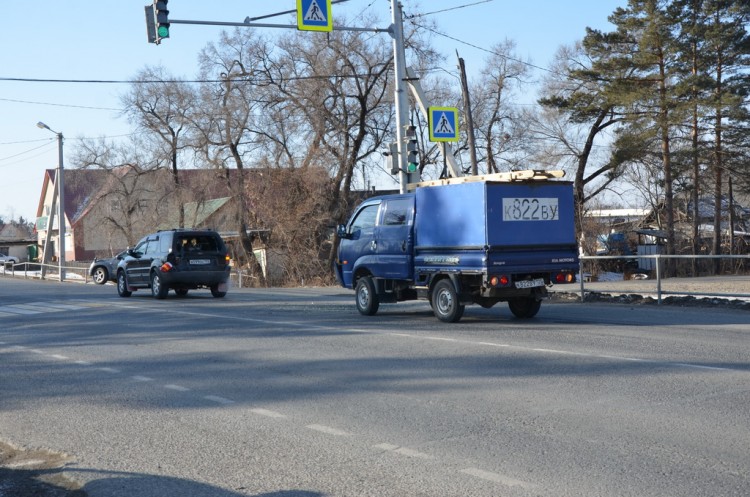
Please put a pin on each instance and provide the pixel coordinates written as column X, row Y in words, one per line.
column 401, row 97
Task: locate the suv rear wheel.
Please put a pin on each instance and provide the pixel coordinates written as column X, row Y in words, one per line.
column 158, row 289
column 216, row 292
column 122, row 285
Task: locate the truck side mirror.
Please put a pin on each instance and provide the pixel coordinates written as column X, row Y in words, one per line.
column 341, row 231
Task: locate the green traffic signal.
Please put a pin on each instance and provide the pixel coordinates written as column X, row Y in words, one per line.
column 163, row 32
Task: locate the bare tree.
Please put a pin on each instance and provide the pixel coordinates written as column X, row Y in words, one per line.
column 160, row 104
column 497, row 120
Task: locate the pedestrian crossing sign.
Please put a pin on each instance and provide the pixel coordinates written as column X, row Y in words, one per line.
column 443, row 123
column 314, row 15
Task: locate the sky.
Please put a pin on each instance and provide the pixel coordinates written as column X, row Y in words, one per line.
column 72, row 40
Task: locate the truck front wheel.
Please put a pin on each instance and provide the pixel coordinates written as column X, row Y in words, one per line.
column 445, row 303
column 524, row 307
column 366, row 296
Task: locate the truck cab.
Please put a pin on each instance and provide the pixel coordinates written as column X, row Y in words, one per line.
column 378, row 239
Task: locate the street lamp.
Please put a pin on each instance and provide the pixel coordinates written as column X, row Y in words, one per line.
column 60, row 197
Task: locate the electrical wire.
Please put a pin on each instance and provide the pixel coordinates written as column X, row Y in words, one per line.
column 51, row 141
column 448, row 9
column 58, row 105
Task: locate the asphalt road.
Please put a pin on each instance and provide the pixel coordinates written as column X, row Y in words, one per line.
column 290, row 392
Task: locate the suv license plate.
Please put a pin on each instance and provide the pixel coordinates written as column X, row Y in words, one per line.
column 530, row 283
column 201, row 262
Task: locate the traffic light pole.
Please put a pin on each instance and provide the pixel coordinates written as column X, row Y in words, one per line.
column 396, row 30
column 401, row 97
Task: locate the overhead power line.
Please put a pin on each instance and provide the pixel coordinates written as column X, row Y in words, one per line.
column 449, row 9
column 50, row 141
column 58, row 105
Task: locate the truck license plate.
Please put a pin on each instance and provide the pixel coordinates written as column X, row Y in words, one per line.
column 200, row 261
column 530, row 283
column 531, row 209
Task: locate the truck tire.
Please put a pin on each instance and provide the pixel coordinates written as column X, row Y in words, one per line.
column 366, row 296
column 524, row 307
column 445, row 303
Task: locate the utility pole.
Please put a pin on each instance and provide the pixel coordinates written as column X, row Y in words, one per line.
column 60, row 204
column 401, row 97
column 469, row 119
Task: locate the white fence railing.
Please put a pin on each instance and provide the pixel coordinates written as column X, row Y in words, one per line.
column 33, row 270
column 702, row 286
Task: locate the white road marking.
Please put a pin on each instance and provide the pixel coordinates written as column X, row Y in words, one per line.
column 142, row 378
column 19, row 309
column 328, row 430
column 497, row 478
column 109, row 370
column 219, row 400
column 268, row 413
column 59, row 356
column 653, row 362
column 177, row 388
column 83, row 363
column 55, row 306
column 404, row 451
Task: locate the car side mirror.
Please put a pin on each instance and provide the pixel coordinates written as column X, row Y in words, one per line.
column 341, row 232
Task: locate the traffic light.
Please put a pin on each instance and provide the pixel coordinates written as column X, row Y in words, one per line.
column 162, row 18
column 412, row 158
column 157, row 21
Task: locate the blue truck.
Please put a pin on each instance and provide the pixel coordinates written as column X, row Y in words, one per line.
column 476, row 240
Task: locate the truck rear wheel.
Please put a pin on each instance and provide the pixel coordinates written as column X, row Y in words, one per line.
column 524, row 307
column 445, row 303
column 366, row 296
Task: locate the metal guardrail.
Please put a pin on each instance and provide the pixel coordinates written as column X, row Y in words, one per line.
column 32, row 270
column 659, row 280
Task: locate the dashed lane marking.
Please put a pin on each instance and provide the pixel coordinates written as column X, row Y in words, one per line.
column 328, row 430
column 267, row 413
column 177, row 388
column 404, row 451
column 497, row 478
column 653, row 362
column 109, row 370
column 219, row 400
column 387, row 447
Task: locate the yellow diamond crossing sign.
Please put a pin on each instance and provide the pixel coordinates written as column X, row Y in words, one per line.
column 314, row 15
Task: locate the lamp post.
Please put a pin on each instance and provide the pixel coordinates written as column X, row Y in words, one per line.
column 60, row 198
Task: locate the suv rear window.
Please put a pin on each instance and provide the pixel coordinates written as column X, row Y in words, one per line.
column 198, row 243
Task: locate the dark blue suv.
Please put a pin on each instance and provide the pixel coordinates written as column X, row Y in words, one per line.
column 178, row 260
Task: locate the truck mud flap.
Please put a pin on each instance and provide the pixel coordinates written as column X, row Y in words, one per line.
column 386, row 297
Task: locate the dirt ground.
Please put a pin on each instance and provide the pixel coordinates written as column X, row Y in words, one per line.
column 34, row 473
